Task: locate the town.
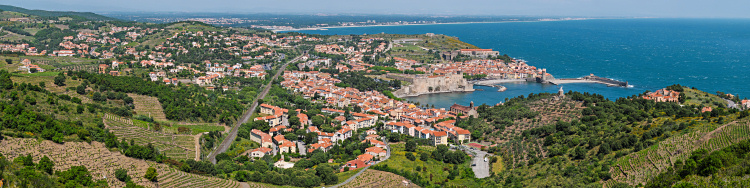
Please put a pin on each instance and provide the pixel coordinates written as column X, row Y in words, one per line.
column 92, row 101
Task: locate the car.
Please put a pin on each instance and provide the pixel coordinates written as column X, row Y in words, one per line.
column 473, row 164
column 485, row 159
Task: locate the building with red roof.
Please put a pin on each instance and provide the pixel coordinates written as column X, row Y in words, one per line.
column 260, row 152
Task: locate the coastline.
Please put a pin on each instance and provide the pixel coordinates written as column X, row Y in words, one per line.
column 335, row 27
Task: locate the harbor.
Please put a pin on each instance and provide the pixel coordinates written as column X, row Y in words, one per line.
column 586, row 79
column 590, row 79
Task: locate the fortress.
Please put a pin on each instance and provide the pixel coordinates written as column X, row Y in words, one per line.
column 424, row 84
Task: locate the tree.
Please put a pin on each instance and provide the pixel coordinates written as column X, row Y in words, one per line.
column 76, row 175
column 79, row 109
column 327, row 174
column 294, row 121
column 241, row 176
column 128, row 100
column 317, row 120
column 99, row 97
column 580, row 153
column 122, row 175
column 9, row 61
column 410, row 156
column 81, row 89
column 411, row 145
column 5, row 81
column 424, row 156
column 45, row 165
column 60, row 80
column 151, row 174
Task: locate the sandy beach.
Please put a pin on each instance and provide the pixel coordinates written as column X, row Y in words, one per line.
column 332, row 27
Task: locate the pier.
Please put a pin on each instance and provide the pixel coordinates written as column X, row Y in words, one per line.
column 494, row 82
column 586, row 79
column 589, row 79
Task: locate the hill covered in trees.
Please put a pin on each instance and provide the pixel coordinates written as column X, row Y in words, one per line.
column 621, row 143
column 50, row 14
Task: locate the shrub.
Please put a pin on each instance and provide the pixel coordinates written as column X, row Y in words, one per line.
column 122, row 175
column 151, row 174
column 410, row 156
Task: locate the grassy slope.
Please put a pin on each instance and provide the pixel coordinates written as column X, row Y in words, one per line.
column 698, row 97
column 435, row 169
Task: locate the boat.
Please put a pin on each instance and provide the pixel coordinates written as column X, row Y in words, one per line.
column 501, row 88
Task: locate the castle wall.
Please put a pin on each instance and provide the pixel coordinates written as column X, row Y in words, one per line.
column 422, row 84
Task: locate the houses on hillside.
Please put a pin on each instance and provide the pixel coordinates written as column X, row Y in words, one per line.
column 663, row 95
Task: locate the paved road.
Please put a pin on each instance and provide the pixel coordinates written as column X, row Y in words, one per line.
column 482, row 168
column 233, row 133
column 387, row 155
column 302, row 148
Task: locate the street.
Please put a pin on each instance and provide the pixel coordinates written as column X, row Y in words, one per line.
column 245, row 117
column 301, row 146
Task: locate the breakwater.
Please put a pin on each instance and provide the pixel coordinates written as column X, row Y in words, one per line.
column 590, row 79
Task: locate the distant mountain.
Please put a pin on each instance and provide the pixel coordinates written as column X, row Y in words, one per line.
column 44, row 13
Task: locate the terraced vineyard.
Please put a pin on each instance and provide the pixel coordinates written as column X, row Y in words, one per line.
column 375, row 178
column 148, row 106
column 549, row 110
column 641, row 166
column 102, row 163
column 174, row 146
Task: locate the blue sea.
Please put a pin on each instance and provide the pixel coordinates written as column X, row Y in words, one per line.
column 709, row 54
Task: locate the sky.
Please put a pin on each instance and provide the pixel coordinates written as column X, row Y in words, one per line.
column 590, row 8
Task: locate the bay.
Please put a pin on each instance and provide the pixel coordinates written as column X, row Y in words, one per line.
column 709, row 54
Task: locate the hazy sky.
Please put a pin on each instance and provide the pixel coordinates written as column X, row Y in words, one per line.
column 627, row 8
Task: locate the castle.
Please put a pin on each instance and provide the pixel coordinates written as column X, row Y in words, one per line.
column 423, row 84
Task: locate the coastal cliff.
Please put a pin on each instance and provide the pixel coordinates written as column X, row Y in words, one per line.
column 423, row 84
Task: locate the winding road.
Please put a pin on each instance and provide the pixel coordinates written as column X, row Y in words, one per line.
column 245, row 117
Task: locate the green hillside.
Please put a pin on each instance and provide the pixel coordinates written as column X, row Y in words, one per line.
column 596, row 142
column 44, row 13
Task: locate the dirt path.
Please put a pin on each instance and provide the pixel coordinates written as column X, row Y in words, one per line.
column 708, row 136
column 198, row 146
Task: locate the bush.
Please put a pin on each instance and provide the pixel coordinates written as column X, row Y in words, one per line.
column 99, row 97
column 411, row 146
column 410, row 156
column 424, row 156
column 151, row 174
column 144, row 118
column 60, row 80
column 241, row 176
column 46, row 165
column 122, row 175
